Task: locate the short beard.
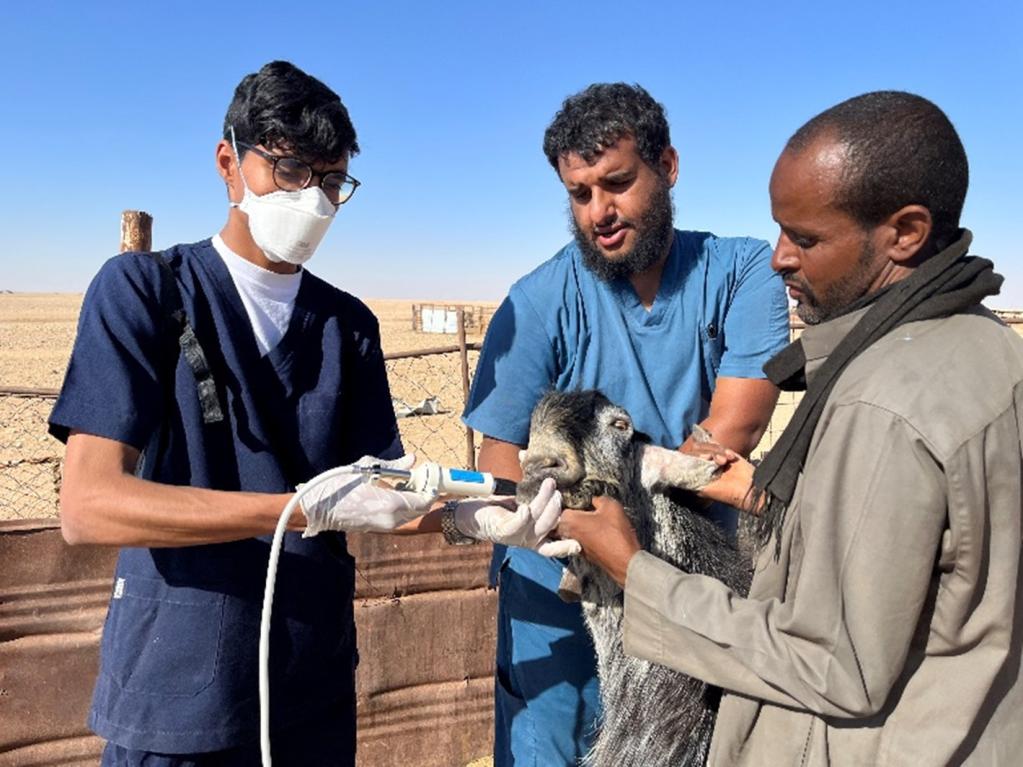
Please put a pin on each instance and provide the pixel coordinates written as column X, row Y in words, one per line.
column 813, row 310
column 653, row 233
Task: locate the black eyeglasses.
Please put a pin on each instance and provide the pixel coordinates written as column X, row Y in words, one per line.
column 291, row 175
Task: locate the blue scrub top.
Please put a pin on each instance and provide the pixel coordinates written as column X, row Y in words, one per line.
column 178, row 669
column 720, row 310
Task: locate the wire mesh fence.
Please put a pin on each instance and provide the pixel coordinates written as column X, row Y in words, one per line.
column 427, row 388
column 428, row 394
column 29, row 456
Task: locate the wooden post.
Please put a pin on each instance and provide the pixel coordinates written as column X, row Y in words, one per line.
column 463, row 356
column 136, row 231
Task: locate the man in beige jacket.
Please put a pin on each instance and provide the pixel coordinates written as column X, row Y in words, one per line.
column 884, row 623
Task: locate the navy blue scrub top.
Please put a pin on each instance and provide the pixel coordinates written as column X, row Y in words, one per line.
column 178, row 669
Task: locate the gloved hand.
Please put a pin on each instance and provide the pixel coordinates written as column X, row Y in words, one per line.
column 351, row 502
column 527, row 527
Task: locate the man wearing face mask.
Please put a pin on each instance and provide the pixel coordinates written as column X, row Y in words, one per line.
column 205, row 384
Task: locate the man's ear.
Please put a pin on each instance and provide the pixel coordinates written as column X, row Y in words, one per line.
column 668, row 165
column 227, row 167
column 906, row 232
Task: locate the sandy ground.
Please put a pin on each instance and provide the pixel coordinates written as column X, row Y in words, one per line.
column 36, row 333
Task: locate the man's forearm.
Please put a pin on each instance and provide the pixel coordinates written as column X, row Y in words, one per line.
column 103, row 502
column 428, row 523
column 740, row 412
column 500, row 459
column 128, row 511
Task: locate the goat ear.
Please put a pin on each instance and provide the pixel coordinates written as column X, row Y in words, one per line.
column 638, row 436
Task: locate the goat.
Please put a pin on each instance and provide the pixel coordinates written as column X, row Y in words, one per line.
column 652, row 715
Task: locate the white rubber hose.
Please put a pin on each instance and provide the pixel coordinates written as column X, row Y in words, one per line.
column 268, row 598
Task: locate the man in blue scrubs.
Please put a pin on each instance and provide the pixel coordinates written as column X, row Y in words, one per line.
column 187, row 466
column 673, row 325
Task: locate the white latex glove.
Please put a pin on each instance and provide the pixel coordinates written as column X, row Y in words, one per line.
column 527, row 527
column 351, row 502
column 662, row 467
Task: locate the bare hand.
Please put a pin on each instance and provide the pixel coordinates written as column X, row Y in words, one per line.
column 733, row 483
column 605, row 534
column 732, row 486
column 711, row 451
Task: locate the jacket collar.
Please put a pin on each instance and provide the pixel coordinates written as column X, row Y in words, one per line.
column 820, row 340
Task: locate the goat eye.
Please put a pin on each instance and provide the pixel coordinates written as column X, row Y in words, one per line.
column 621, row 424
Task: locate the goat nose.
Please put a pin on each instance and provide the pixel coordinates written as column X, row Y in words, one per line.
column 546, row 463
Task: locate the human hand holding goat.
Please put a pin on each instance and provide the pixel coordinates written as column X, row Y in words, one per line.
column 527, row 525
column 605, row 534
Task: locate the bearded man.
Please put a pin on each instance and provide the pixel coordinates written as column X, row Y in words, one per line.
column 673, row 325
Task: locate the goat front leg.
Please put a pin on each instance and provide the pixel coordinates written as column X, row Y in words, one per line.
column 662, row 468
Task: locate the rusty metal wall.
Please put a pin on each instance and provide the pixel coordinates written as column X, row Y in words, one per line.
column 53, row 599
column 427, row 633
column 421, row 605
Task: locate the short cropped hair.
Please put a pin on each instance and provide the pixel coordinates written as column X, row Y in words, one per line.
column 595, row 118
column 281, row 107
column 901, row 150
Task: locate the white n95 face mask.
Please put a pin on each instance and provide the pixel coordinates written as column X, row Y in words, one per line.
column 286, row 226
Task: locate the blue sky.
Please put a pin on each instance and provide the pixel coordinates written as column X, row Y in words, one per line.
column 112, row 105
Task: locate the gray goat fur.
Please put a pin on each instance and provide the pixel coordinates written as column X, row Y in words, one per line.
column 652, row 715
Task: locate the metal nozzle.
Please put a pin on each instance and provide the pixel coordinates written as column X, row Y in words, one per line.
column 376, row 470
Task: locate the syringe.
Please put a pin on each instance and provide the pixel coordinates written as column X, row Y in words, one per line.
column 434, row 479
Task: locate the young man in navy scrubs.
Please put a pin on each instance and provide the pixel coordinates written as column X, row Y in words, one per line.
column 206, row 382
column 187, row 467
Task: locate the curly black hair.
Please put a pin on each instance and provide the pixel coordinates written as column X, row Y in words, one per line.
column 598, row 116
column 281, row 107
column 901, row 150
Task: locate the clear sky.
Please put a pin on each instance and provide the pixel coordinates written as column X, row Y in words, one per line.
column 115, row 105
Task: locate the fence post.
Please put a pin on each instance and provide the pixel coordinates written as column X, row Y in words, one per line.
column 136, row 231
column 463, row 356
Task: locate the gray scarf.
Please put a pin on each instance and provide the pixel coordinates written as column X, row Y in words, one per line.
column 945, row 284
